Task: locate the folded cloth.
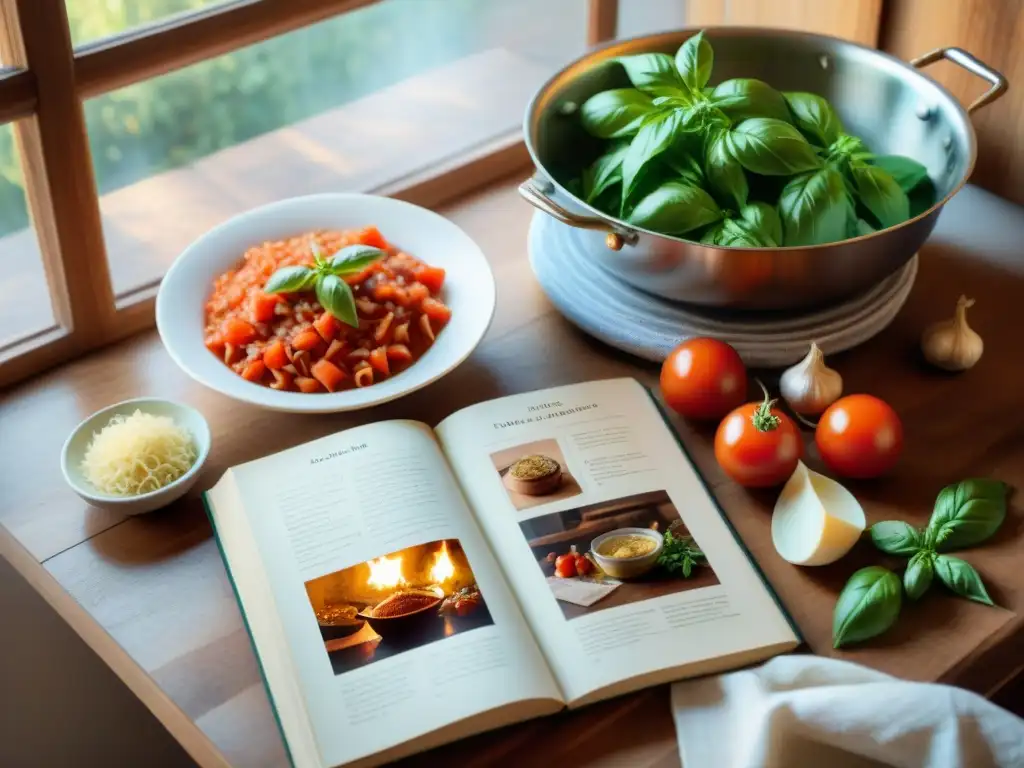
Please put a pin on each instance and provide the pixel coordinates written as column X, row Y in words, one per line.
column 797, row 711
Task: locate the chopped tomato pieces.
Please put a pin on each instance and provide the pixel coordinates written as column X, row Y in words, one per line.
column 399, row 353
column 328, row 374
column 379, row 360
column 307, row 385
column 432, row 277
column 289, row 342
column 371, row 236
column 238, row 331
column 254, row 371
column 275, row 356
column 263, row 305
column 435, row 310
column 307, row 340
column 327, row 326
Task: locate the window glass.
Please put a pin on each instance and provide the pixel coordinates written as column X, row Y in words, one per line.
column 92, row 20
column 25, row 307
column 347, row 104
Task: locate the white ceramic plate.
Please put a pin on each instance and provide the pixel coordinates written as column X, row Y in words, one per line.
column 468, row 289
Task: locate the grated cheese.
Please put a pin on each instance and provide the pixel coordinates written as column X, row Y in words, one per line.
column 138, row 454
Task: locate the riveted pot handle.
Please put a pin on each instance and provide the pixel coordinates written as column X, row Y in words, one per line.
column 534, row 193
column 975, row 66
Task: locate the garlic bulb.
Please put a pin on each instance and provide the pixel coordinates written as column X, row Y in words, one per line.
column 952, row 344
column 810, row 386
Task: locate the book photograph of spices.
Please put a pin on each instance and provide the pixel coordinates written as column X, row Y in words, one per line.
column 616, row 553
column 395, row 603
column 535, row 473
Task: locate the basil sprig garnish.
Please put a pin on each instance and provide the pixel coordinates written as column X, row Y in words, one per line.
column 326, row 278
column 751, row 144
column 965, row 515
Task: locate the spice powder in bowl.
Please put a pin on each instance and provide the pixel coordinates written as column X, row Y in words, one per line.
column 534, row 475
column 628, row 546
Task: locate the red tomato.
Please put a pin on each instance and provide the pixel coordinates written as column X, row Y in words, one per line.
column 758, row 446
column 703, row 379
column 859, row 436
column 565, row 566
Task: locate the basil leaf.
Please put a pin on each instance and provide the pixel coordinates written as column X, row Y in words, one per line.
column 961, row 578
column 725, row 175
column 880, row 194
column 868, row 605
column 904, row 171
column 896, row 537
column 694, row 61
column 654, row 74
column 918, row 576
column 848, row 147
column 605, row 172
column 290, row 280
column 335, row 295
column 966, row 514
column 656, row 135
column 685, row 166
column 615, row 114
column 764, row 220
column 354, row 258
column 815, row 208
column 860, row 227
column 745, row 97
column 676, row 102
column 814, row 116
column 771, row 147
column 675, row 208
column 739, row 234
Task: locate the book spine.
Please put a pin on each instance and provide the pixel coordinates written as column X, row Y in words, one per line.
column 725, row 518
column 248, row 630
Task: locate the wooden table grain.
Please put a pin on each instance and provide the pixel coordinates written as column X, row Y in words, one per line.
column 151, row 596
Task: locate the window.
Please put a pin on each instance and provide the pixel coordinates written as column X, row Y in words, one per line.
column 25, row 306
column 148, row 121
column 367, row 98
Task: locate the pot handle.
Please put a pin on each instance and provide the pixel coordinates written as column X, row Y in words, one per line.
column 975, row 66
column 535, row 194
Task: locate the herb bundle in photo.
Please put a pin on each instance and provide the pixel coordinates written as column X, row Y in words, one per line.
column 965, row 515
column 739, row 164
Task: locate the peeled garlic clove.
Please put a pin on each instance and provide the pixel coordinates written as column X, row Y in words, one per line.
column 952, row 344
column 816, row 520
column 810, row 386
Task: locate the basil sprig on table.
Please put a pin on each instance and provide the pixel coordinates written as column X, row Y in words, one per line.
column 688, row 159
column 326, row 278
column 965, row 514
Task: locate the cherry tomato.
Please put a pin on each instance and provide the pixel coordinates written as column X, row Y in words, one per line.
column 859, row 436
column 565, row 566
column 583, row 565
column 758, row 446
column 703, row 379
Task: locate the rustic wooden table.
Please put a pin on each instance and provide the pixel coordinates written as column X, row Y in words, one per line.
column 150, row 595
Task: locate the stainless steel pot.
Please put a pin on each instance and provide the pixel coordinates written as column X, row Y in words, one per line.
column 888, row 103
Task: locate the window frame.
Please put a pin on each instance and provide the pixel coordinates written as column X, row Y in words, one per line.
column 43, row 84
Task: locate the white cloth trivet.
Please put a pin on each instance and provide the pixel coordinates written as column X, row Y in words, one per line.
column 797, row 711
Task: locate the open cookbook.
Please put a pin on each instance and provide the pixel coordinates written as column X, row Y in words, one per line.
column 405, row 587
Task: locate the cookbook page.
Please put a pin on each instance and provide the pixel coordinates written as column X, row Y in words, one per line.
column 394, row 617
column 594, row 467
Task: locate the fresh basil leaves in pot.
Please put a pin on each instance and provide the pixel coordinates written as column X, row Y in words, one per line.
column 674, row 126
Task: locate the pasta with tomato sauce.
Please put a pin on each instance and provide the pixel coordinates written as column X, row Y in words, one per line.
column 290, row 343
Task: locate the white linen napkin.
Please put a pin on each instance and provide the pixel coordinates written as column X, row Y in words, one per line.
column 801, row 710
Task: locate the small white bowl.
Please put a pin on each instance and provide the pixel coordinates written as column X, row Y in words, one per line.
column 468, row 289
column 628, row 567
column 74, row 450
